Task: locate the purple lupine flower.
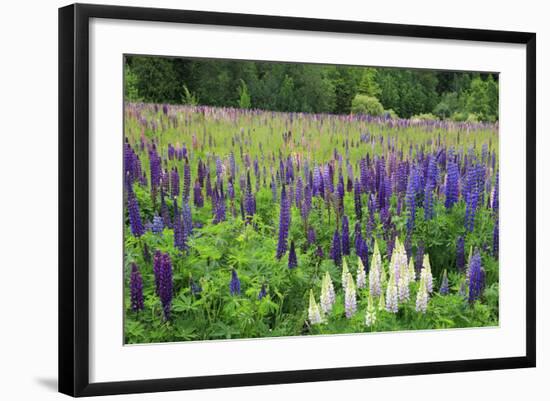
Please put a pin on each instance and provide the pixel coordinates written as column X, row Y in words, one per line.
column 357, row 199
column 263, row 292
column 336, row 249
column 419, row 259
column 235, row 283
column 345, row 236
column 476, row 277
column 495, row 203
column 197, row 195
column 249, row 201
column 155, row 171
column 319, row 252
column 410, row 200
column 165, row 284
column 187, row 219
column 292, row 259
column 179, row 231
column 444, row 288
column 136, row 289
column 363, row 174
column 157, row 225
column 495, row 240
column 157, row 264
column 327, row 180
column 311, row 237
column 186, row 180
column 175, row 183
column 284, row 224
column 133, row 214
column 428, row 201
column 451, row 187
column 340, row 193
column 460, row 260
column 299, row 192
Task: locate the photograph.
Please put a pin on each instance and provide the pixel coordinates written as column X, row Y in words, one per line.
column 276, row 199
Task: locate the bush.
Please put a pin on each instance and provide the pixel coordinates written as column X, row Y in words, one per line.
column 363, row 104
column 465, row 117
column 424, row 117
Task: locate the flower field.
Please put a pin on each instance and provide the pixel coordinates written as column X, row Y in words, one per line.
column 241, row 223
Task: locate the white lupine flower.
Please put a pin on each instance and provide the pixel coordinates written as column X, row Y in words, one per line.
column 403, row 288
column 412, row 272
column 350, row 297
column 426, row 273
column 328, row 296
column 361, row 275
column 381, row 302
column 370, row 315
column 314, row 313
column 422, row 297
column 375, row 284
column 345, row 272
column 391, row 295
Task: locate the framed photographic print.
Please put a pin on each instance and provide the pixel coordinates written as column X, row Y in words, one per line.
column 277, row 199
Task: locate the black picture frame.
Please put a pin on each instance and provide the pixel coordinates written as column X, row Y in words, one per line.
column 74, row 194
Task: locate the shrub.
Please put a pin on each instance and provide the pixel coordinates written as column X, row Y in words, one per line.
column 363, row 104
column 424, row 117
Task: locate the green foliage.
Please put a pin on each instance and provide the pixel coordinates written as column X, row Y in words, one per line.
column 131, row 92
column 244, row 96
column 424, row 117
column 363, row 104
column 188, row 97
column 369, row 85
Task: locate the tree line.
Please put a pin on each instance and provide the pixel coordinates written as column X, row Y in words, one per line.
column 405, row 93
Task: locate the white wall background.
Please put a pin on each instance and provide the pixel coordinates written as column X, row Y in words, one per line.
column 28, row 201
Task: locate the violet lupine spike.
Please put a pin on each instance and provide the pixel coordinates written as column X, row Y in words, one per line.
column 311, row 237
column 451, row 187
column 495, row 240
column 299, row 192
column 155, row 171
column 460, row 259
column 284, row 224
column 187, row 219
column 419, row 259
column 495, row 202
column 234, row 284
column 197, row 195
column 165, row 284
column 134, row 216
column 174, row 183
column 164, row 212
column 263, row 292
column 364, row 175
column 306, row 204
column 428, row 201
column 136, row 289
column 292, row 259
column 158, row 225
column 345, row 236
column 336, row 249
column 179, row 231
column 357, row 200
column 476, row 277
column 444, row 288
column 410, row 200
column 186, row 180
